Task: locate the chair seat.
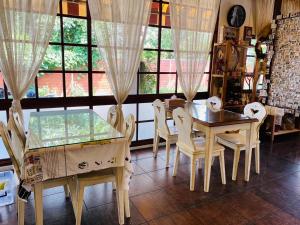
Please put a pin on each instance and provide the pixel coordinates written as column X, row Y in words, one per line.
column 106, row 174
column 233, row 138
column 200, row 145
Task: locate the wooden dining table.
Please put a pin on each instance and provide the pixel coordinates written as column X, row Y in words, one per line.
column 215, row 122
column 67, row 143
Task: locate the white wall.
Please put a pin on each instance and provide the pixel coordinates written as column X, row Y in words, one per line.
column 224, row 8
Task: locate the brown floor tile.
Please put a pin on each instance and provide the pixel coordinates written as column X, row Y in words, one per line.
column 151, row 164
column 141, row 184
column 155, row 204
column 250, row 206
column 218, row 213
column 278, row 218
column 178, row 218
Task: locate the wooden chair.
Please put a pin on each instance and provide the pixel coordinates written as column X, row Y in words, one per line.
column 193, row 147
column 104, row 176
column 112, row 116
column 237, row 141
column 38, row 189
column 169, row 134
column 214, row 103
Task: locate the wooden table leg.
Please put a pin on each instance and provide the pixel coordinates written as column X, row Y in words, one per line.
column 38, row 200
column 120, row 193
column 248, row 152
column 208, row 158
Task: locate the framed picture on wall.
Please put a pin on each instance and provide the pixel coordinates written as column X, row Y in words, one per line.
column 230, row 33
column 247, row 33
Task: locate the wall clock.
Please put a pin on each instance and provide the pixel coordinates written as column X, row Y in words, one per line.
column 236, row 16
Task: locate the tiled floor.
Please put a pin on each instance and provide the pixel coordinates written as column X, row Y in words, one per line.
column 157, row 198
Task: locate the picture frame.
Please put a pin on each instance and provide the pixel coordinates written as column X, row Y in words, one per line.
column 247, row 33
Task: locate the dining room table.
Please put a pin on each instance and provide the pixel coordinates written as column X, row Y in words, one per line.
column 70, row 142
column 213, row 122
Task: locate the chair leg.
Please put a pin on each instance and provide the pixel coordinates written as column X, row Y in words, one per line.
column 21, row 211
column 177, row 155
column 127, row 204
column 155, row 144
column 38, row 203
column 67, row 191
column 193, row 174
column 222, row 167
column 167, row 153
column 120, row 194
column 257, row 159
column 79, row 202
column 235, row 166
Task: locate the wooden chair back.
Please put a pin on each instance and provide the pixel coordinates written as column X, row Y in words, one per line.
column 129, row 127
column 256, row 110
column 161, row 117
column 112, row 116
column 16, row 161
column 184, row 125
column 214, row 103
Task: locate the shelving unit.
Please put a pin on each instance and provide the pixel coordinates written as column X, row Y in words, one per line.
column 228, row 73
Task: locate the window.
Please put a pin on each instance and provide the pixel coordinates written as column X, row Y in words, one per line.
column 250, row 67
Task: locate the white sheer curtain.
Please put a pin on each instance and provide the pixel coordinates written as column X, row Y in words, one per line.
column 25, row 30
column 120, row 28
column 263, row 15
column 193, row 24
column 290, row 6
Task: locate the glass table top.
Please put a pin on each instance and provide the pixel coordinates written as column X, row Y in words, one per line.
column 66, row 127
column 207, row 117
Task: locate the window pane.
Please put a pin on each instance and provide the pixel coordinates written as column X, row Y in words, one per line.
column 26, row 114
column 73, row 8
column 76, row 58
column 167, row 83
column 251, row 51
column 2, row 95
column 165, row 20
column 146, row 130
column 204, row 84
column 151, row 39
column 31, row 92
column 56, row 35
column 75, row 30
column 52, row 59
column 146, row 111
column 98, row 61
column 207, row 65
column 250, row 64
column 102, row 110
column 129, row 109
column 77, row 84
column 148, row 61
column 248, row 83
column 3, row 152
column 154, row 17
column 101, row 85
column 50, row 85
column 167, row 62
column 147, row 84
column 166, row 39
